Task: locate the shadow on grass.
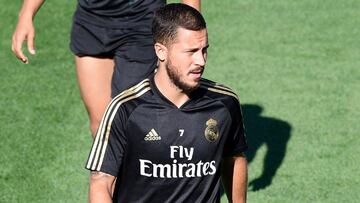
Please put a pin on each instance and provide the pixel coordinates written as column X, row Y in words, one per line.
column 273, row 133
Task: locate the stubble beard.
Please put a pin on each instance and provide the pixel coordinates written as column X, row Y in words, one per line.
column 175, row 78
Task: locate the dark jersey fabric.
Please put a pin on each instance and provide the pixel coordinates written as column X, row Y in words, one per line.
column 117, row 13
column 161, row 153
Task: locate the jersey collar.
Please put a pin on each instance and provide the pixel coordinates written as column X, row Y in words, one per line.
column 193, row 96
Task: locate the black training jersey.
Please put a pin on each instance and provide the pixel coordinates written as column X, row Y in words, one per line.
column 161, row 153
column 117, row 13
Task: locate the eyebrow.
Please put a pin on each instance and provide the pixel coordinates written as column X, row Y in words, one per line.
column 195, row 49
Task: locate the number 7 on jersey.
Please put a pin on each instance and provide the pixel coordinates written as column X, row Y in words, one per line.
column 181, row 131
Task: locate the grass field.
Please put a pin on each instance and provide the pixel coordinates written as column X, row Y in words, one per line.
column 294, row 64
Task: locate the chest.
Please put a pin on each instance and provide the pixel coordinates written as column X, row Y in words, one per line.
column 165, row 135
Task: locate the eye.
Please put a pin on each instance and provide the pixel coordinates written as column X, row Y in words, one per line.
column 192, row 51
column 204, row 51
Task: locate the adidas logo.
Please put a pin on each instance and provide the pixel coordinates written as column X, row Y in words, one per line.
column 152, row 136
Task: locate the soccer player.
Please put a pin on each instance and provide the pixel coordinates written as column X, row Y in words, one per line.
column 104, row 34
column 171, row 137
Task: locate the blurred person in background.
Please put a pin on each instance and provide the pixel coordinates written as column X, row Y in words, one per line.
column 112, row 43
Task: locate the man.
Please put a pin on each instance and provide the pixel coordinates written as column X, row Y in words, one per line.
column 171, row 137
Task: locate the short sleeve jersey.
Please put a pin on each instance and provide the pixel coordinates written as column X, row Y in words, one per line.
column 162, row 153
column 117, row 13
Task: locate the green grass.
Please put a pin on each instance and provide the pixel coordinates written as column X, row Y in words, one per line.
column 297, row 60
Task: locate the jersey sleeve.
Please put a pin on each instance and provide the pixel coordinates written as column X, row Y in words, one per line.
column 110, row 142
column 236, row 141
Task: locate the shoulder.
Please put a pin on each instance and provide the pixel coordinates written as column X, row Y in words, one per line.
column 122, row 106
column 223, row 94
column 218, row 91
column 131, row 97
column 138, row 89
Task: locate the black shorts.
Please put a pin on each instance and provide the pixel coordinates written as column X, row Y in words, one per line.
column 131, row 48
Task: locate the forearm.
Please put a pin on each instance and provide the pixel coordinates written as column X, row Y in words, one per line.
column 239, row 186
column 194, row 3
column 30, row 8
column 234, row 176
column 100, row 190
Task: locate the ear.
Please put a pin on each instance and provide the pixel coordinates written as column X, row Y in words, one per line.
column 161, row 51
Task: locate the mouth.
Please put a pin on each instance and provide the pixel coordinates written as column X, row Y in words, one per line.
column 196, row 74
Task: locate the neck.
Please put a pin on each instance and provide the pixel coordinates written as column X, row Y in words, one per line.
column 177, row 96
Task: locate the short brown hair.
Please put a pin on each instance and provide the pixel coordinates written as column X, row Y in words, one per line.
column 172, row 16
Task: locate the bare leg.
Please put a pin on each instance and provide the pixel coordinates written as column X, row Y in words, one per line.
column 94, row 78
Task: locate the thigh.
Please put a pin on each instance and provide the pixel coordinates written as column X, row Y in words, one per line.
column 133, row 63
column 94, row 78
column 89, row 40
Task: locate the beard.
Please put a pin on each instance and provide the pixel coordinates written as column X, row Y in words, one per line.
column 175, row 78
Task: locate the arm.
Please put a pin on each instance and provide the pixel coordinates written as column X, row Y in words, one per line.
column 194, row 3
column 234, row 177
column 25, row 29
column 101, row 187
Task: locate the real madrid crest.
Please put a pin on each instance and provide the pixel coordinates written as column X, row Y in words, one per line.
column 211, row 131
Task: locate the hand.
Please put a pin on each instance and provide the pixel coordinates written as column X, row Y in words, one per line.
column 24, row 32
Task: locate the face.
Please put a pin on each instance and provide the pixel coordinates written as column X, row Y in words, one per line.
column 186, row 59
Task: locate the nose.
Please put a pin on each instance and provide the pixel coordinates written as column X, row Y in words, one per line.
column 200, row 59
